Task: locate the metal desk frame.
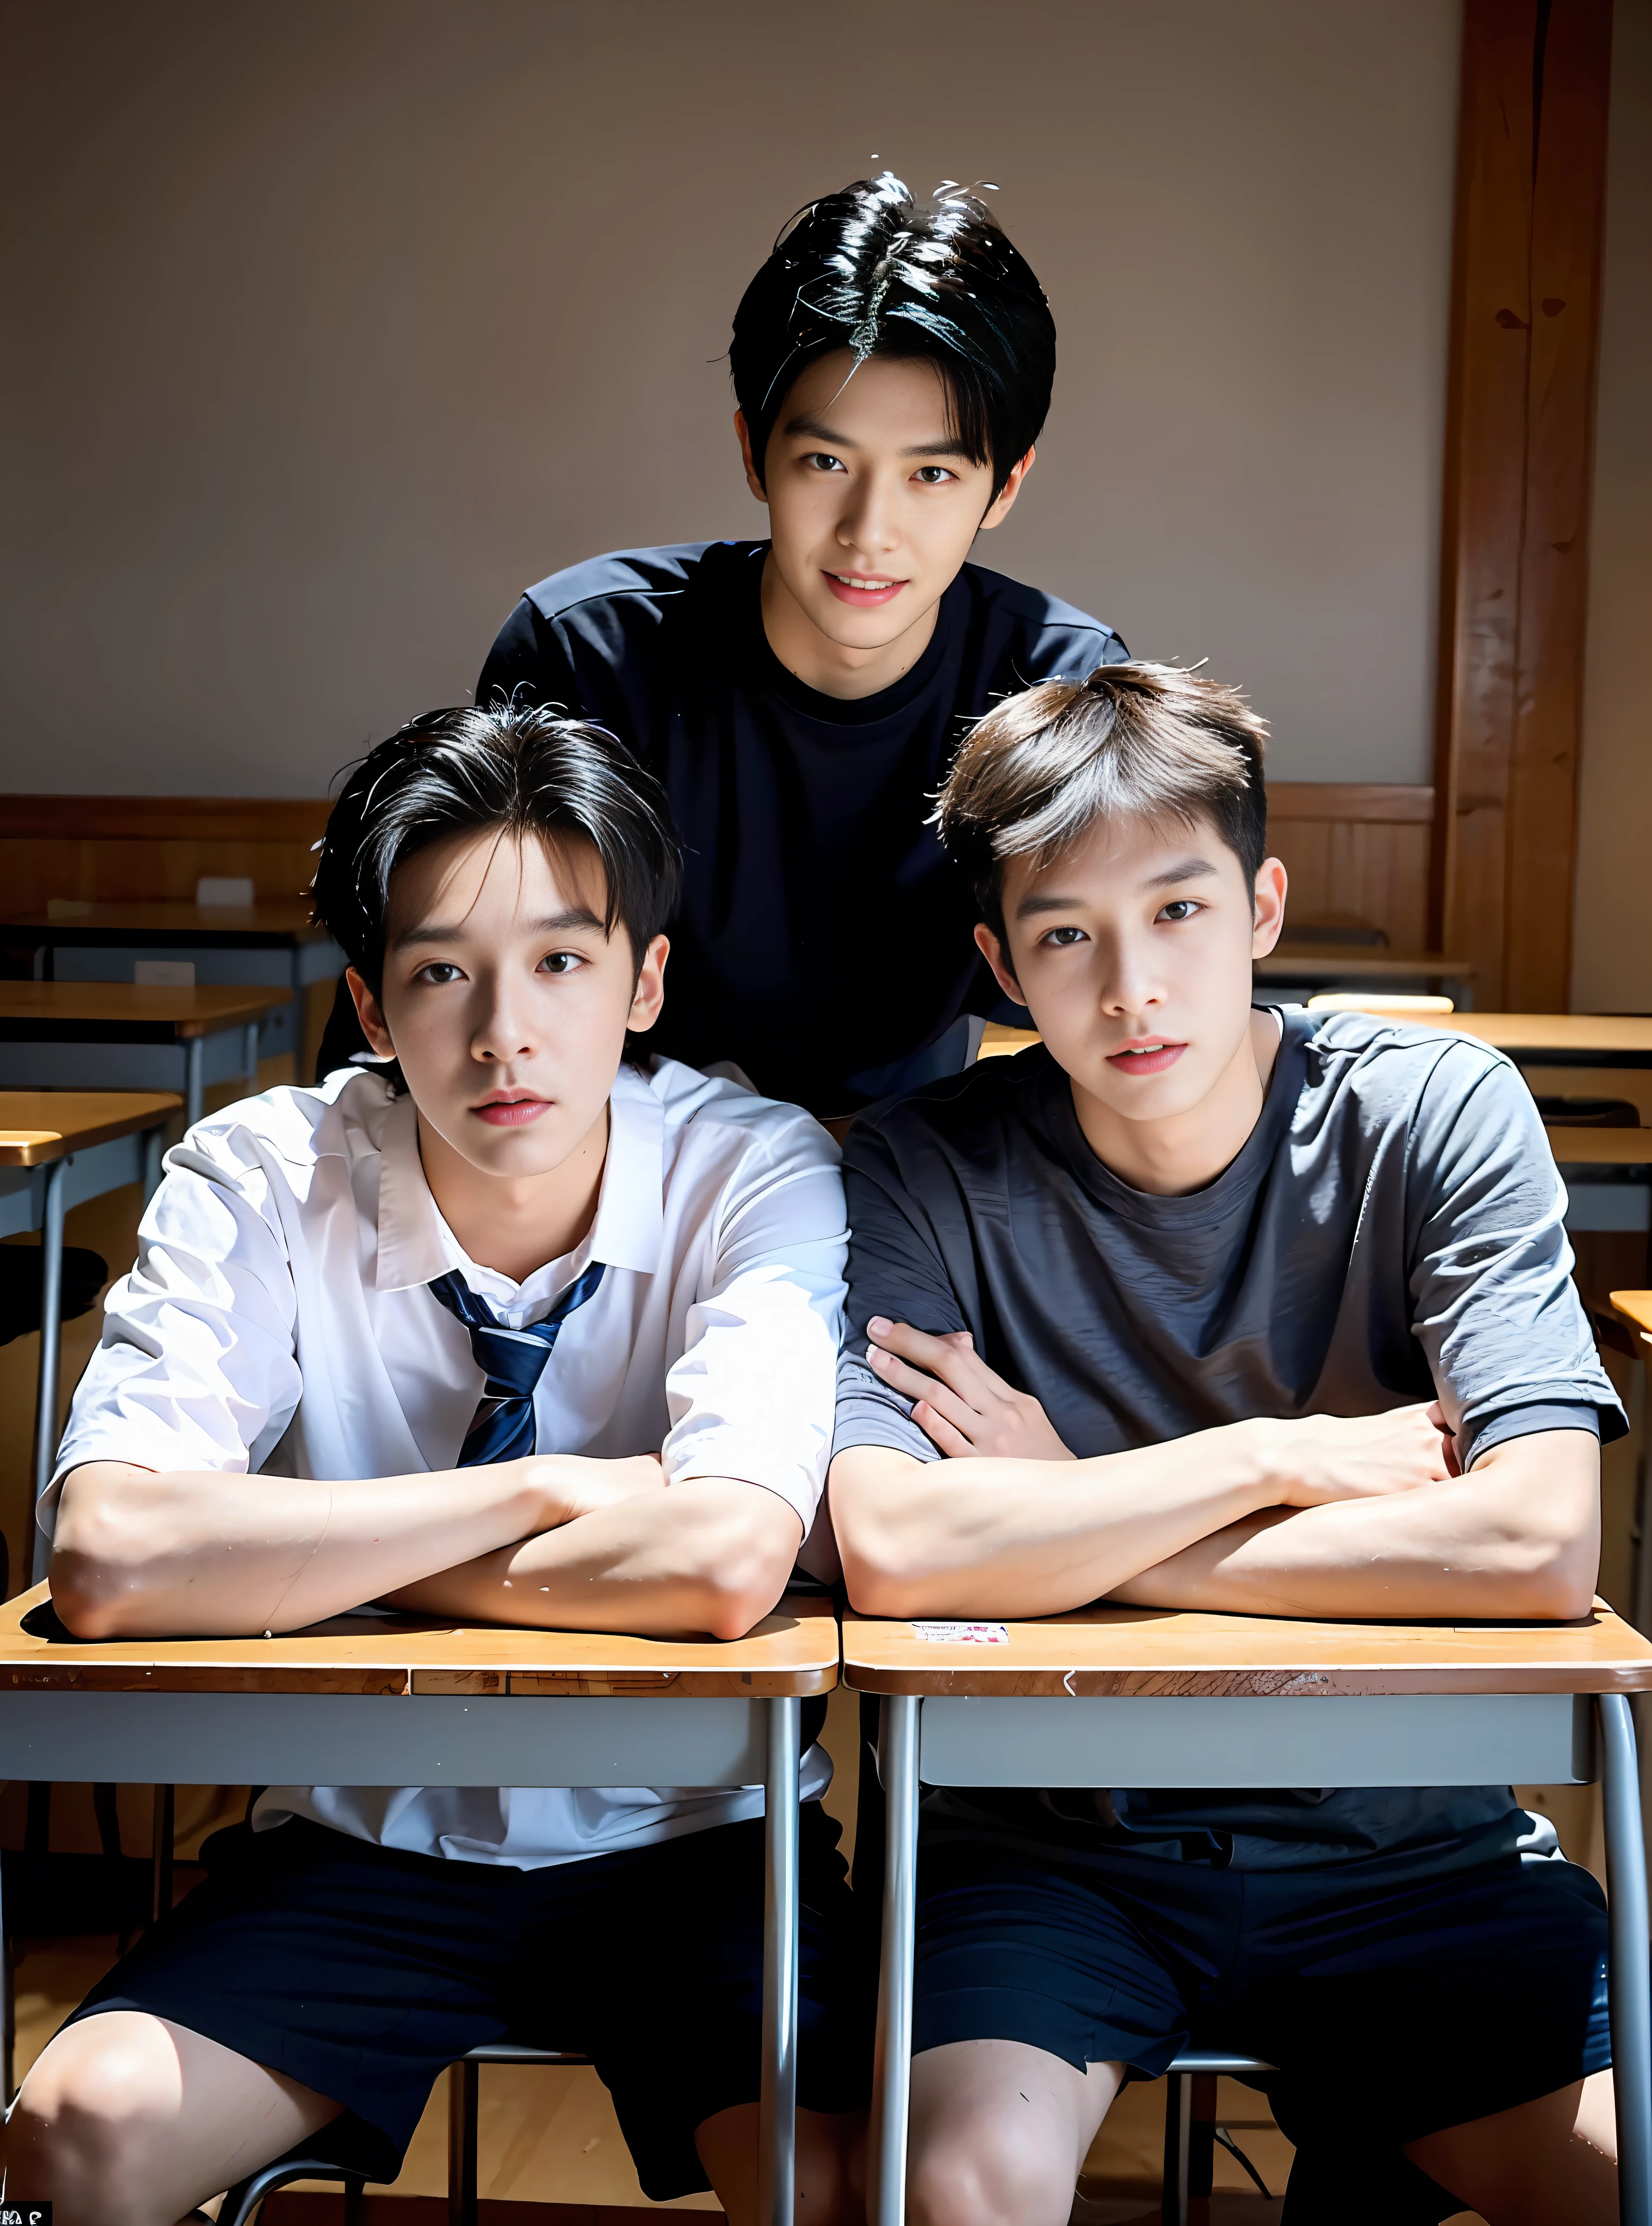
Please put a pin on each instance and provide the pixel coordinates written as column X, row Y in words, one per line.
column 1434, row 1739
column 287, row 1737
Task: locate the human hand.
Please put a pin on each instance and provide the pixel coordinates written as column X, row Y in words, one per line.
column 1321, row 1458
column 572, row 1485
column 964, row 1407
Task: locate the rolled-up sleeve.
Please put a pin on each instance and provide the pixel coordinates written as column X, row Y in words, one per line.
column 752, row 1395
column 196, row 1367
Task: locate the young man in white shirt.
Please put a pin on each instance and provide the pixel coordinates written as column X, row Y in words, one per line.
column 329, row 1380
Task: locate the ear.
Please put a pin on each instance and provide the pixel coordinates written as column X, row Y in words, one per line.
column 993, row 951
column 1004, row 500
column 370, row 1013
column 649, row 993
column 752, row 478
column 1270, row 907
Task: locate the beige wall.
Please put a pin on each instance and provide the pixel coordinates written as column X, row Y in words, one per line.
column 339, row 320
column 1612, row 953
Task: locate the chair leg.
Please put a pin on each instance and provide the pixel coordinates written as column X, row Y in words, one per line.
column 1173, row 2209
column 355, row 2203
column 463, row 2088
column 165, row 1825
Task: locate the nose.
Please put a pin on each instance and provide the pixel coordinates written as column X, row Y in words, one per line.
column 1130, row 987
column 503, row 1031
column 869, row 526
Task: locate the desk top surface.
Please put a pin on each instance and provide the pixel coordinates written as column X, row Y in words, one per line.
column 1636, row 1308
column 187, row 1011
column 1144, row 1652
column 37, row 1125
column 1304, row 962
column 793, row 1651
column 286, row 921
column 1622, row 1147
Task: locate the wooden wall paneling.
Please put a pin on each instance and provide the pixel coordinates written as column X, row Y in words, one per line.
column 1354, row 848
column 1525, row 319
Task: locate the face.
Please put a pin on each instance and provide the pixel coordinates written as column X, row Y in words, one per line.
column 873, row 505
column 1133, row 952
column 504, row 1000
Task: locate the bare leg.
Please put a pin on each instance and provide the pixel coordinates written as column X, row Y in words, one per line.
column 128, row 2119
column 999, row 2132
column 829, row 2189
column 1552, row 2159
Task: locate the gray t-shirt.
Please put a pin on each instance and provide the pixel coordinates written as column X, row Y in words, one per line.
column 1391, row 1231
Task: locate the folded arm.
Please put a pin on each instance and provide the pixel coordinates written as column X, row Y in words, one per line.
column 140, row 1553
column 1519, row 1535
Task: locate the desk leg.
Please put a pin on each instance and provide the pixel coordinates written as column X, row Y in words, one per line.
column 1630, row 1975
column 154, row 1141
column 250, row 1057
column 51, row 1326
column 194, row 1082
column 891, row 2073
column 778, row 2115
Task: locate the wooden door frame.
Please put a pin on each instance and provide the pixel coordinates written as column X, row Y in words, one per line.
column 1519, row 456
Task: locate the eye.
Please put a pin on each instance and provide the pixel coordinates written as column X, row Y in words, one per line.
column 933, row 475
column 1180, row 908
column 439, row 972
column 561, row 961
column 1063, row 938
column 820, row 461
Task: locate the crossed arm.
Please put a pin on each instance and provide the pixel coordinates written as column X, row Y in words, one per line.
column 557, row 1540
column 1334, row 1515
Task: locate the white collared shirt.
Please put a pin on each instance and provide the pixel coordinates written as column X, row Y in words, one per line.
column 277, row 1321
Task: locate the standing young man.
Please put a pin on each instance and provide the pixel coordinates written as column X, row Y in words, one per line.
column 800, row 699
column 526, row 1326
column 1198, row 1306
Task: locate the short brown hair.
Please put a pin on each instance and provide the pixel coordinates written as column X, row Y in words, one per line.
column 1134, row 741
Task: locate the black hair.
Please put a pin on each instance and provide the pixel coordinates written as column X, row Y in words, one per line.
column 870, row 269
column 506, row 766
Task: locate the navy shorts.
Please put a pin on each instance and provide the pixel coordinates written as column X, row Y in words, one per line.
column 1393, row 2004
column 364, row 1971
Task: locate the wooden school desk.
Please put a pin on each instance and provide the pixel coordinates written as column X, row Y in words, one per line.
column 363, row 1701
column 260, row 945
column 1326, row 967
column 88, row 1035
column 1142, row 1696
column 58, row 1147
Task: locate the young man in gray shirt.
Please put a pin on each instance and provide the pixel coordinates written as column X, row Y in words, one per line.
column 1199, row 1305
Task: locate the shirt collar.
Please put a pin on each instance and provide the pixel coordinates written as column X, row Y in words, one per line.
column 416, row 1244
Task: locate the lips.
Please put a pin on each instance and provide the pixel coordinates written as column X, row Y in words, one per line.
column 1153, row 1057
column 512, row 1112
column 863, row 591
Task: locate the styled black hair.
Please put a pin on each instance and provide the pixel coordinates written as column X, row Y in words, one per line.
column 870, row 269
column 499, row 765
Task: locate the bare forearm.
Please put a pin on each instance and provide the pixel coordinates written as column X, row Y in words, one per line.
column 1519, row 1538
column 141, row 1554
column 988, row 1536
column 705, row 1555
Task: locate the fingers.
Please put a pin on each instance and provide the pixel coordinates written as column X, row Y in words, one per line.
column 951, row 1358
column 911, row 1384
column 941, row 1433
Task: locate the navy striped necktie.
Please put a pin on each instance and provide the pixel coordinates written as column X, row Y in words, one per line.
column 514, row 1361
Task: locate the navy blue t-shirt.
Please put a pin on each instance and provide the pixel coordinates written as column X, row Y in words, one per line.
column 823, row 935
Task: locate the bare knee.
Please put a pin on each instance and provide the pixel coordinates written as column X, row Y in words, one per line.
column 994, row 2179
column 85, row 2130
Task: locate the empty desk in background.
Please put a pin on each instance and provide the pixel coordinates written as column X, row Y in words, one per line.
column 119, row 1035
column 57, row 1148
column 1328, row 966
column 1146, row 1697
column 359, row 1701
column 241, row 946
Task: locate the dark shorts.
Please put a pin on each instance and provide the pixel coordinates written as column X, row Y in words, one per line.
column 363, row 1971
column 1394, row 2005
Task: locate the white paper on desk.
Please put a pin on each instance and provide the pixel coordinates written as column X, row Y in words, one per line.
column 963, row 1634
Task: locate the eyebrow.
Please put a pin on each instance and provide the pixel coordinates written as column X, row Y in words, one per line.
column 1189, row 869
column 556, row 923
column 817, row 430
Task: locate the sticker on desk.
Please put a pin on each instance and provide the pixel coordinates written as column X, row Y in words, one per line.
column 963, row 1634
